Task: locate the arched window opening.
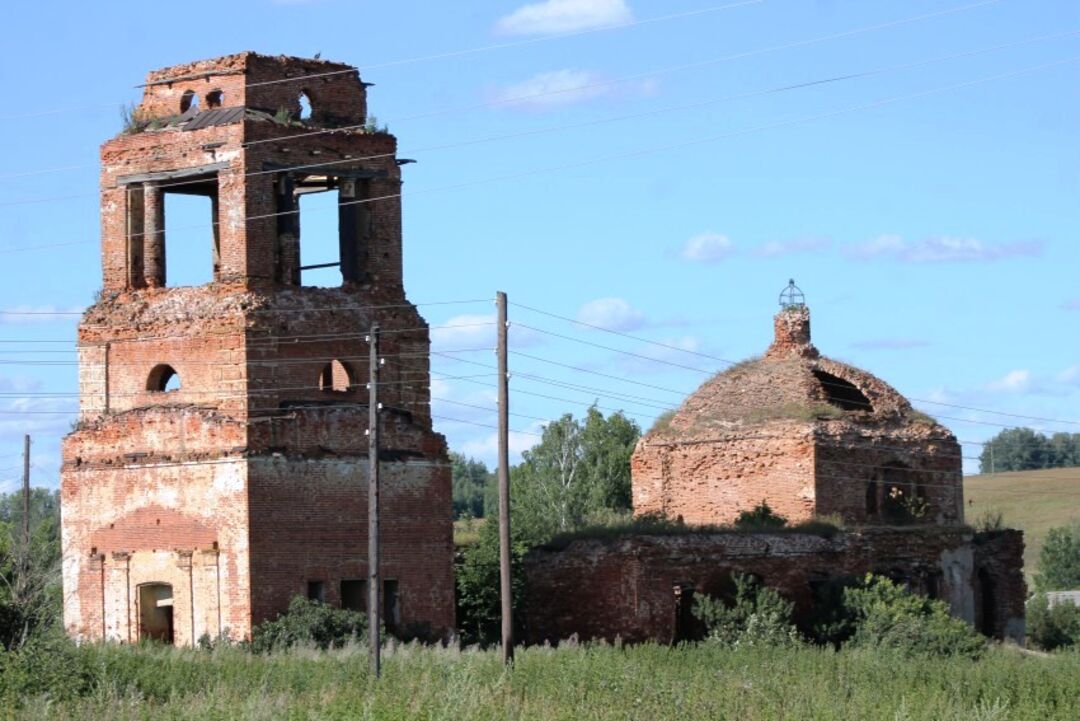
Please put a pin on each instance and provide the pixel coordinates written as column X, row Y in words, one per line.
column 215, row 98
column 841, row 393
column 156, row 612
column 163, row 379
column 336, row 377
column 898, row 501
column 305, row 105
column 189, row 101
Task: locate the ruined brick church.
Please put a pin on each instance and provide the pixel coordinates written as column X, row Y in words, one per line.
column 219, row 463
column 812, row 438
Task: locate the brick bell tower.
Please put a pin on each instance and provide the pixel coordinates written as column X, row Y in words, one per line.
column 219, row 464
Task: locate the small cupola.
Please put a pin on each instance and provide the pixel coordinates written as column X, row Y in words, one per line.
column 791, row 327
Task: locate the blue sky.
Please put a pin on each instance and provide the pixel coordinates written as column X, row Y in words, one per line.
column 638, row 165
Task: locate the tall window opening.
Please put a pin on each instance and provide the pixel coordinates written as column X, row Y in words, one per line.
column 305, row 105
column 319, row 261
column 897, row 495
column 190, row 230
column 354, row 594
column 391, row 606
column 156, row 612
column 841, row 393
column 316, row 591
column 872, row 498
column 309, row 252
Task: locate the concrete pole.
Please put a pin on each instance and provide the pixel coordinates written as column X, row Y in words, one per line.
column 504, row 484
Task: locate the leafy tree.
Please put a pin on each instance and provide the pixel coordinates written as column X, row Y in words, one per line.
column 1059, row 560
column 575, row 470
column 607, row 444
column 471, row 479
column 1022, row 449
column 1052, row 627
column 889, row 616
column 478, row 601
column 30, row 590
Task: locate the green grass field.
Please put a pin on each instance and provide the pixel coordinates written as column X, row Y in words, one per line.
column 1033, row 501
column 646, row 682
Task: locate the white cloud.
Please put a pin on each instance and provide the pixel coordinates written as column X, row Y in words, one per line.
column 486, row 447
column 776, row 248
column 942, row 249
column 552, row 89
column 33, row 314
column 1016, row 381
column 564, row 16
column 464, row 332
column 707, row 247
column 612, row 314
column 1070, row 376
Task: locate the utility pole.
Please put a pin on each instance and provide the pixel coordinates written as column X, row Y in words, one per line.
column 26, row 498
column 504, row 484
column 373, row 500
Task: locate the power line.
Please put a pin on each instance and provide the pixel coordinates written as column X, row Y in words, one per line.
column 424, row 58
column 606, row 83
column 650, row 150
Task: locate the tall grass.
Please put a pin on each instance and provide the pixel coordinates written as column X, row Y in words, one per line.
column 571, row 682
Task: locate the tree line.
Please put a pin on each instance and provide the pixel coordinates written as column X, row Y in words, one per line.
column 1023, row 449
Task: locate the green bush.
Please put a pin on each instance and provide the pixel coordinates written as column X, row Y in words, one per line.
column 888, row 616
column 48, row 664
column 759, row 616
column 1053, row 627
column 479, row 619
column 760, row 517
column 310, row 623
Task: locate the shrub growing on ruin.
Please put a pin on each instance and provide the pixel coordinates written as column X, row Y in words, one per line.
column 762, row 516
column 309, row 622
column 886, row 615
column 758, row 616
column 1053, row 627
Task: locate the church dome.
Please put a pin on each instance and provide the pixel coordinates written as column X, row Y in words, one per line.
column 791, row 382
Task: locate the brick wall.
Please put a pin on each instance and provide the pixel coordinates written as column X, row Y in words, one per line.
column 625, row 587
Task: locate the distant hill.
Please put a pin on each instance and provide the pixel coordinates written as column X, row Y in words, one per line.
column 1033, row 501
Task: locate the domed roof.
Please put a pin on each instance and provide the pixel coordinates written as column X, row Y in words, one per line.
column 791, row 383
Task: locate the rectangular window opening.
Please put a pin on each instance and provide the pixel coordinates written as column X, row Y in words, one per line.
column 318, row 222
column 192, row 240
column 391, row 606
column 354, row 594
column 316, row 591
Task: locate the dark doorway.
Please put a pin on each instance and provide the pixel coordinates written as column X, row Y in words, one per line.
column 156, row 613
column 988, row 602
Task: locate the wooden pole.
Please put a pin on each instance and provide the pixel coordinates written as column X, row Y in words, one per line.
column 373, row 501
column 504, row 485
column 26, row 498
